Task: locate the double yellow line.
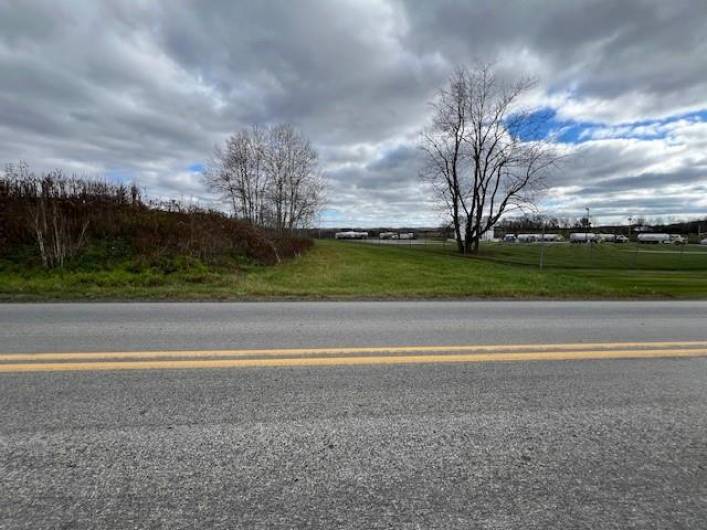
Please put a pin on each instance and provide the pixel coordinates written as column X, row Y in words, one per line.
column 384, row 355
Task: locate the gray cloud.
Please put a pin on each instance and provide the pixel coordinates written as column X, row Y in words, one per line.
column 146, row 89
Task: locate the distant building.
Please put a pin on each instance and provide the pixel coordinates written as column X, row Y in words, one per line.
column 487, row 236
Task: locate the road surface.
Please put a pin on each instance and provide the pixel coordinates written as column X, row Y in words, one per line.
column 354, row 415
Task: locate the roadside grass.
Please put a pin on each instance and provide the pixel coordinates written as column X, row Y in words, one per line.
column 119, row 282
column 352, row 270
column 338, row 269
column 658, row 284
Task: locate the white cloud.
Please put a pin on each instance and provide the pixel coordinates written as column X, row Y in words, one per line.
column 147, row 88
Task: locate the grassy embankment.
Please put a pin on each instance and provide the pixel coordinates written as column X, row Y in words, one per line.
column 354, row 270
column 67, row 237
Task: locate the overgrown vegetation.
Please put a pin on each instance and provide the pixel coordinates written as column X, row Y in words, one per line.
column 69, row 223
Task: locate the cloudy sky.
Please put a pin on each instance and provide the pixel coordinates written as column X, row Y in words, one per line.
column 143, row 90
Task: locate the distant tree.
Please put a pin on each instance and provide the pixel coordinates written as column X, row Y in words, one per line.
column 485, row 155
column 294, row 184
column 269, row 177
column 237, row 173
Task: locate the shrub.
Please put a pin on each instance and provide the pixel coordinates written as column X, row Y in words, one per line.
column 88, row 220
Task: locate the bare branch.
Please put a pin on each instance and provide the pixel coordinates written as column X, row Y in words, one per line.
column 484, row 155
column 269, row 176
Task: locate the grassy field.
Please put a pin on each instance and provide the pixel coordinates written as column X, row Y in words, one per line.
column 356, row 270
column 604, row 256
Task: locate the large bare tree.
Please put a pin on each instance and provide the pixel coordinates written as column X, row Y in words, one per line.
column 269, row 176
column 484, row 153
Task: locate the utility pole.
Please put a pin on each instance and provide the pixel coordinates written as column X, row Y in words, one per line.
column 542, row 243
column 589, row 237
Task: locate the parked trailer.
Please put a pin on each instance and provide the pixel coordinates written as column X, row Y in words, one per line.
column 583, row 237
column 667, row 239
column 351, row 235
column 407, row 235
column 527, row 238
column 654, row 238
column 534, row 238
column 388, row 235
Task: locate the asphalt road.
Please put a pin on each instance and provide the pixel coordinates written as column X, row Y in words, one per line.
column 588, row 443
column 176, row 326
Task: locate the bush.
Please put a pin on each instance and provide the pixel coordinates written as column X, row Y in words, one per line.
column 87, row 221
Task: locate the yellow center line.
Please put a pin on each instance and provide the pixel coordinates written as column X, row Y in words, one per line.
column 351, row 361
column 293, row 352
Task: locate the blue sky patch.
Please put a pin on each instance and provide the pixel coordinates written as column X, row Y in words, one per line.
column 544, row 123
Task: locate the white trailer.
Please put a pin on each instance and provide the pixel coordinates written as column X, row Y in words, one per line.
column 528, row 238
column 406, row 235
column 487, row 236
column 533, row 238
column 351, row 235
column 583, row 237
column 654, row 238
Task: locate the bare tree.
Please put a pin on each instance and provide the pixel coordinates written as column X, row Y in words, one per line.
column 269, row 176
column 484, row 154
column 237, row 173
column 55, row 211
column 294, row 182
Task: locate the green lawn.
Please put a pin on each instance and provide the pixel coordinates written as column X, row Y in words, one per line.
column 603, row 256
column 356, row 270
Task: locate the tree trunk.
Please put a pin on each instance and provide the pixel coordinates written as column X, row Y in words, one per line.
column 458, row 236
column 467, row 238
